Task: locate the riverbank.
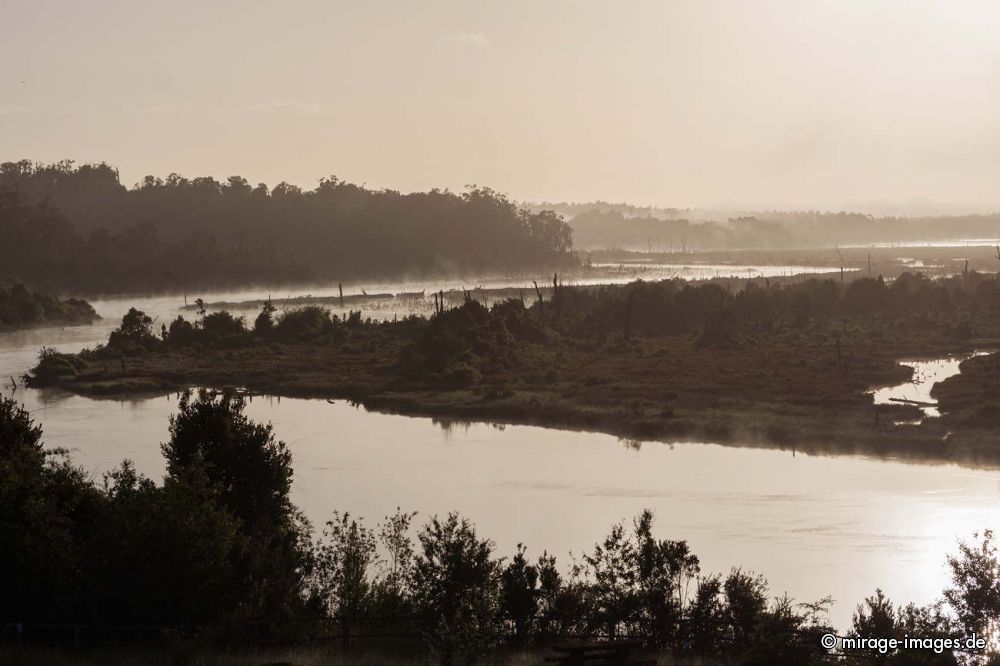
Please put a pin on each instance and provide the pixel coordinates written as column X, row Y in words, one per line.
column 795, row 390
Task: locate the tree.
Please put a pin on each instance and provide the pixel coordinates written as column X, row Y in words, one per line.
column 48, row 510
column 551, row 231
column 455, row 589
column 664, row 572
column 135, row 332
column 343, row 559
column 562, row 602
column 395, row 584
column 706, row 617
column 250, row 467
column 75, row 225
column 612, row 576
column 264, row 323
column 193, row 578
column 519, row 593
column 746, row 603
column 975, row 591
column 875, row 618
column 251, row 474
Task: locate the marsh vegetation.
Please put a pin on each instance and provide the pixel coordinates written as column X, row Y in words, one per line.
column 788, row 364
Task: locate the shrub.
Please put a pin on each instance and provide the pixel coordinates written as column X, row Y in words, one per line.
column 222, row 325
column 461, row 375
column 53, row 366
column 181, row 332
column 306, row 323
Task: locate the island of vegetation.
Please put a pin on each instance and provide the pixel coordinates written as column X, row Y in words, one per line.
column 23, row 308
column 216, row 565
column 748, row 362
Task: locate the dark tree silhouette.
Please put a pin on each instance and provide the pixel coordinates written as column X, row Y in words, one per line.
column 78, row 226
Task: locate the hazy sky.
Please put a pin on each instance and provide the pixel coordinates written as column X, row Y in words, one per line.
column 798, row 103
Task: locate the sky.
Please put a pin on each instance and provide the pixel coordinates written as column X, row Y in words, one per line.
column 877, row 105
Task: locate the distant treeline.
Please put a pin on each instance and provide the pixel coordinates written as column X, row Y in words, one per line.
column 571, row 209
column 672, row 231
column 218, row 553
column 79, row 226
column 20, row 307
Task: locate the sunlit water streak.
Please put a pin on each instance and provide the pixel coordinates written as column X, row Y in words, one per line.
column 917, row 389
column 955, row 242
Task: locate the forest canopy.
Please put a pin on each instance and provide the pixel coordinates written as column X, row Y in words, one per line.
column 67, row 225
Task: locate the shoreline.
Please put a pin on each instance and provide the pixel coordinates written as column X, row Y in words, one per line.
column 852, row 426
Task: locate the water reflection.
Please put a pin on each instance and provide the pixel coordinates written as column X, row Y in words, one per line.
column 917, row 390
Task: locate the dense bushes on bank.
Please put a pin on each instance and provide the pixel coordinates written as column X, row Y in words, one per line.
column 721, row 310
column 20, row 307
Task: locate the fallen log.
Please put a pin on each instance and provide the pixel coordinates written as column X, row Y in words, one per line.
column 918, row 403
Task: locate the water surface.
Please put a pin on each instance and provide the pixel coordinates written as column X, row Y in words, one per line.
column 917, row 389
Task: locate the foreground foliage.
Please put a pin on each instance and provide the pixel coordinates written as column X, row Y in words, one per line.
column 219, row 553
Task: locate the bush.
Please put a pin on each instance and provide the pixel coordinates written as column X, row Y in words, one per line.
column 461, row 375
column 181, row 332
column 463, row 344
column 222, row 325
column 53, row 366
column 307, row 323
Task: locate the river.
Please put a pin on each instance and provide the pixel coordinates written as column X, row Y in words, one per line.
column 813, row 525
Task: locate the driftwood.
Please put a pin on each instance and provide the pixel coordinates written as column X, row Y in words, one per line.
column 918, row 403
